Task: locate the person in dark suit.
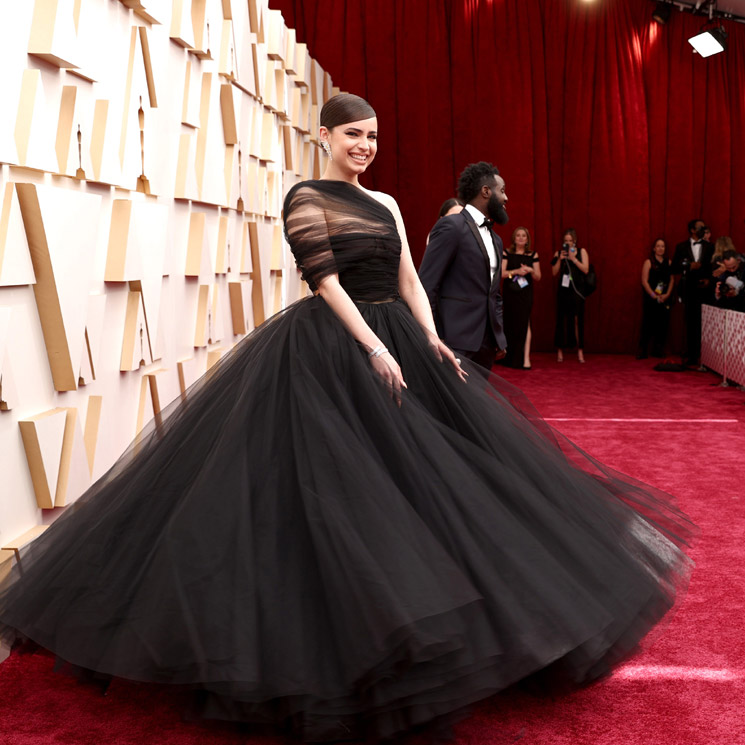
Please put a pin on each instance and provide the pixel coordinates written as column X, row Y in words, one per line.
column 461, row 268
column 692, row 269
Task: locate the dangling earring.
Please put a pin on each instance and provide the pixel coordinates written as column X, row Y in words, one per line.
column 327, row 148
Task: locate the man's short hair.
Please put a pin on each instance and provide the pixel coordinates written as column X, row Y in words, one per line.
column 730, row 253
column 692, row 223
column 474, row 176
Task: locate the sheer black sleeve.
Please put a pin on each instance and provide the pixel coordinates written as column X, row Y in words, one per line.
column 307, row 233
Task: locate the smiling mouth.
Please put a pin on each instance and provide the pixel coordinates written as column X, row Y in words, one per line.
column 359, row 158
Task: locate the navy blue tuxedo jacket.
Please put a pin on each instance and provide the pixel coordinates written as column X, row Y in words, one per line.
column 456, row 275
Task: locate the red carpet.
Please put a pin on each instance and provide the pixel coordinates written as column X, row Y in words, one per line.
column 686, row 688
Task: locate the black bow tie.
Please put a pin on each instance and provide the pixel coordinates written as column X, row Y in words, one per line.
column 487, row 223
column 696, row 243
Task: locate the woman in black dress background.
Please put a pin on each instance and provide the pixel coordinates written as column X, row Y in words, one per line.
column 571, row 265
column 657, row 286
column 520, row 268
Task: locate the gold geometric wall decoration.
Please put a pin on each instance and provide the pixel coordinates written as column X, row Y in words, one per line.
column 122, row 258
column 98, row 136
column 94, row 331
column 201, row 29
column 43, row 435
column 127, row 92
column 229, row 122
column 30, row 110
column 276, row 262
column 53, row 33
column 275, row 34
column 135, row 342
column 244, row 53
column 152, row 12
column 182, row 31
column 185, row 178
column 8, row 395
column 189, row 370
column 148, row 65
column 257, row 295
column 291, row 52
column 60, row 313
column 15, row 260
column 226, row 60
column 277, row 280
column 197, row 245
column 7, row 560
column 74, row 475
column 90, row 435
column 231, row 173
column 204, row 116
column 213, row 356
column 203, row 308
column 151, row 403
column 221, row 261
column 64, row 125
column 18, row 544
column 237, row 308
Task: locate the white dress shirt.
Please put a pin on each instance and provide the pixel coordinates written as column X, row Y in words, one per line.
column 485, row 237
column 696, row 248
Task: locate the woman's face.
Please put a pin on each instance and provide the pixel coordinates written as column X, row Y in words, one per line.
column 659, row 248
column 353, row 145
column 521, row 238
column 569, row 239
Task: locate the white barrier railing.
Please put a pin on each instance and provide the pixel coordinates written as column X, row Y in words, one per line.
column 723, row 342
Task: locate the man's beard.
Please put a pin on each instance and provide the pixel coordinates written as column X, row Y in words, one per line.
column 496, row 211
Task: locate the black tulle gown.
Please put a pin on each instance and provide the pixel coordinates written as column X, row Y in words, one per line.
column 304, row 552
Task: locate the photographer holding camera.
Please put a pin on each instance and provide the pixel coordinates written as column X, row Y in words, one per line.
column 692, row 267
column 571, row 264
column 729, row 291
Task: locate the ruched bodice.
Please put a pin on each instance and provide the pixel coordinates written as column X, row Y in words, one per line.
column 334, row 227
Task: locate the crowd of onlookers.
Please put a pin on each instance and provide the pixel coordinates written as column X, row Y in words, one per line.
column 699, row 271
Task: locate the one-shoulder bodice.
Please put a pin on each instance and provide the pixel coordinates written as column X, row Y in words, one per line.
column 334, row 227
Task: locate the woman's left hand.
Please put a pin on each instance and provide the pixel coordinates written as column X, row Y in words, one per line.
column 445, row 354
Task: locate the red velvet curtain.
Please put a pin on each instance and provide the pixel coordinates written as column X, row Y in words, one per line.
column 598, row 118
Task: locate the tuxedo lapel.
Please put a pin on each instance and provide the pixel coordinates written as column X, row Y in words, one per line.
column 479, row 242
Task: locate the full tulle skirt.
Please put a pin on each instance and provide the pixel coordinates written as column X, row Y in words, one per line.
column 305, row 552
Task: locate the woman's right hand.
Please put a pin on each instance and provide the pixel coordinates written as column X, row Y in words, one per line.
column 390, row 373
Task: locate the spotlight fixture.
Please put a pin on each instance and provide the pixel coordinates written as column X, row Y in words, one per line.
column 709, row 41
column 662, row 13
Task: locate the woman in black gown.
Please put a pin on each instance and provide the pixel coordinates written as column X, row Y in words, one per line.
column 520, row 268
column 657, row 286
column 337, row 533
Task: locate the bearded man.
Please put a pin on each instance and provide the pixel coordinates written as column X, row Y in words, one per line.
column 461, row 268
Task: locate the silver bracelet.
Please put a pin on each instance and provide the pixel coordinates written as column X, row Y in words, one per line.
column 377, row 351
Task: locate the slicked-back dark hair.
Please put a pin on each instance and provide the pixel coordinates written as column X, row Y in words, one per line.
column 344, row 108
column 474, row 176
